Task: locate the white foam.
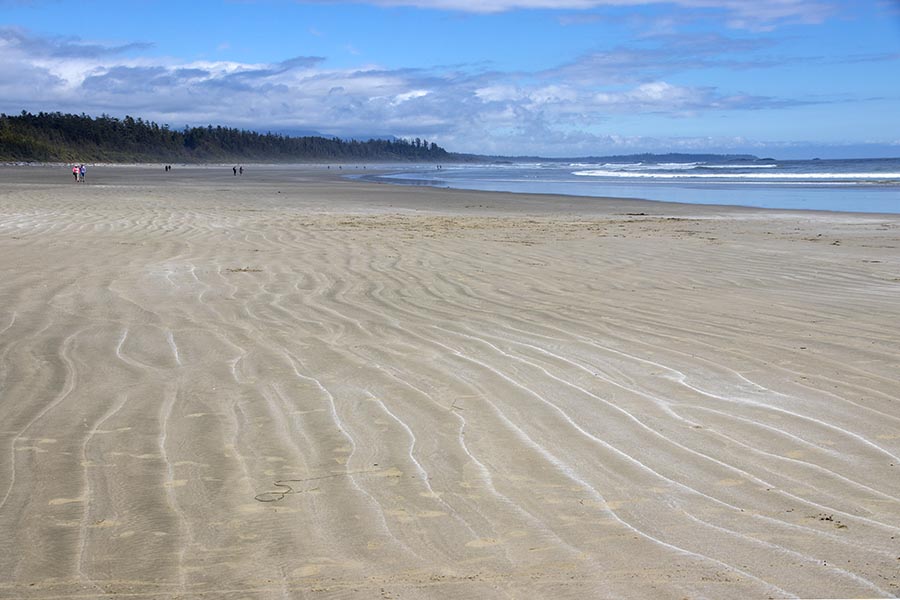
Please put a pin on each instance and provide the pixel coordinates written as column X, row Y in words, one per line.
column 768, row 176
column 765, row 166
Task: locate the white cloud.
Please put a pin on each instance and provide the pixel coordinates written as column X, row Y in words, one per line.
column 400, row 98
column 660, row 94
column 759, row 14
column 553, row 94
column 498, row 93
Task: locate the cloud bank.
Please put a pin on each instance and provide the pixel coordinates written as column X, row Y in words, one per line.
column 551, row 111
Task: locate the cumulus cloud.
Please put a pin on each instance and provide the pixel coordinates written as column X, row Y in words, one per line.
column 657, row 95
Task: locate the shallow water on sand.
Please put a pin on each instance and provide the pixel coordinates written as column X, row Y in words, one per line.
column 871, row 186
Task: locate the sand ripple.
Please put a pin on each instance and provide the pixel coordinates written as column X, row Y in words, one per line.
column 384, row 392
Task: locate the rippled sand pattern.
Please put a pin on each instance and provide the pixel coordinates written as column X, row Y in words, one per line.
column 291, row 386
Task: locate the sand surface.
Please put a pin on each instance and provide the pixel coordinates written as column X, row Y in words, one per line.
column 287, row 385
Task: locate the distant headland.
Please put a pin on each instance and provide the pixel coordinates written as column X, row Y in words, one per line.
column 60, row 137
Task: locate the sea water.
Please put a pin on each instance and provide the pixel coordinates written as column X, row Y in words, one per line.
column 857, row 185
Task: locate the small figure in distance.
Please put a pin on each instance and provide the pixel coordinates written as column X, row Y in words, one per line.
column 241, row 170
column 75, row 173
column 81, row 173
column 235, row 171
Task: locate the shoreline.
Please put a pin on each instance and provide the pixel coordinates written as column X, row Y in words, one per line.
column 749, row 207
column 672, row 189
column 298, row 171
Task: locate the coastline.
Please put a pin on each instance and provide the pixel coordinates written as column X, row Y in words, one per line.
column 648, row 202
column 289, row 382
column 374, row 173
column 792, row 185
column 321, row 179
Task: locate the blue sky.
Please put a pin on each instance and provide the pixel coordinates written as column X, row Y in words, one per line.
column 782, row 78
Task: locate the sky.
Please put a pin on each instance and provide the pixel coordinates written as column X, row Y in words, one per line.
column 554, row 78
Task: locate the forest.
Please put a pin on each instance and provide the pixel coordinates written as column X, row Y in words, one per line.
column 58, row 137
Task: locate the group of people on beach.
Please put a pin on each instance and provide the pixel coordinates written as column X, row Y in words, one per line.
column 78, row 173
column 235, row 169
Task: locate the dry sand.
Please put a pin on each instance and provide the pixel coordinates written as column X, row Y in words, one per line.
column 290, row 385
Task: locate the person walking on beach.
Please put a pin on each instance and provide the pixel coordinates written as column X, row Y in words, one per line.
column 235, row 171
column 241, row 170
column 81, row 173
column 75, row 173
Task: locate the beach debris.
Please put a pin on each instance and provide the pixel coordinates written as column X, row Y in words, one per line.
column 277, row 495
column 244, row 270
column 287, row 489
column 830, row 518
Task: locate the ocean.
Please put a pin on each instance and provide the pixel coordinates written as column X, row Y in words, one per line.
column 858, row 185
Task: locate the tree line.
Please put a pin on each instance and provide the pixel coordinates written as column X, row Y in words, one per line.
column 54, row 136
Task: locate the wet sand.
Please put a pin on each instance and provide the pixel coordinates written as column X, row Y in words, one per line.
column 289, row 385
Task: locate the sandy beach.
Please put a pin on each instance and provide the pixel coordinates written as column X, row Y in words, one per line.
column 287, row 384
